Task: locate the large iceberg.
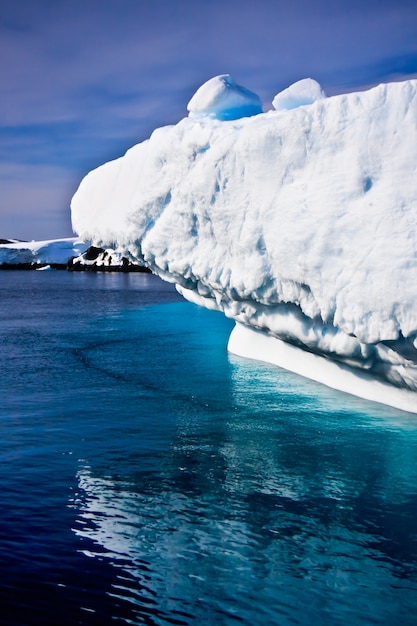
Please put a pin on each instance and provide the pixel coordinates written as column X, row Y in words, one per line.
column 299, row 223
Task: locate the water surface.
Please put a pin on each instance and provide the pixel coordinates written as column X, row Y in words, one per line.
column 149, row 478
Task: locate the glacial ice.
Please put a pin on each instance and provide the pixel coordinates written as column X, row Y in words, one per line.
column 299, row 222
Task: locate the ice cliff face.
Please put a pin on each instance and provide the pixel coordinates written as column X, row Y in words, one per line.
column 300, row 222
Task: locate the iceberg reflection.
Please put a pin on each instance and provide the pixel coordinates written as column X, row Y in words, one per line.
column 262, row 514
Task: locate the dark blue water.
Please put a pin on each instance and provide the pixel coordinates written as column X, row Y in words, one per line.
column 148, row 478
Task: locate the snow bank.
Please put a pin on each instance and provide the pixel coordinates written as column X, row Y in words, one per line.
column 301, row 223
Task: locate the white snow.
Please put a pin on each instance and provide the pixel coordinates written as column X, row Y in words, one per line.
column 54, row 251
column 301, row 223
column 223, row 99
column 302, row 92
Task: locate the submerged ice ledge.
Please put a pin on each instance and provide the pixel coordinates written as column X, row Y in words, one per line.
column 299, row 222
column 283, row 336
column 247, row 342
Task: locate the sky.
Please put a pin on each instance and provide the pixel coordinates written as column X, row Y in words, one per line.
column 84, row 80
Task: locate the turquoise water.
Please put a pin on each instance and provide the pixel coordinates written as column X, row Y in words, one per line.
column 149, row 478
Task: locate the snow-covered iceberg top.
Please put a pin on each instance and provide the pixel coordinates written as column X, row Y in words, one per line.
column 299, row 222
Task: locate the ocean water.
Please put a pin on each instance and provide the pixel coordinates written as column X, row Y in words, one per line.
column 147, row 477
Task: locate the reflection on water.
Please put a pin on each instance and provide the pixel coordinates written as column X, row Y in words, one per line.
column 203, row 489
column 290, row 512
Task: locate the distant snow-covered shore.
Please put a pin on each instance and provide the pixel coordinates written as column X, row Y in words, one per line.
column 36, row 254
column 70, row 253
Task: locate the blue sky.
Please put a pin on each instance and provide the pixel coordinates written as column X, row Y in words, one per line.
column 83, row 80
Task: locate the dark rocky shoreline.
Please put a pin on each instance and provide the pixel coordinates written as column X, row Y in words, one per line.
column 92, row 260
column 99, row 260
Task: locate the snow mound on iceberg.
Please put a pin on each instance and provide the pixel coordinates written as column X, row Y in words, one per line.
column 223, row 99
column 302, row 92
column 301, row 224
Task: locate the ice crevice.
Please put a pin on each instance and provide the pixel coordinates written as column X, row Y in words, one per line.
column 300, row 223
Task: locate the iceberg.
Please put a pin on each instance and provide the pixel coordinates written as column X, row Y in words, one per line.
column 300, row 223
